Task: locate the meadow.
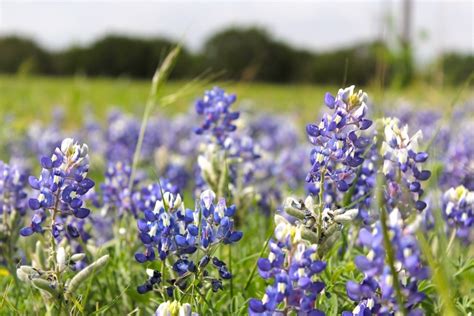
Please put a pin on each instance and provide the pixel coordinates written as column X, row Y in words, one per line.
column 30, row 98
column 337, row 210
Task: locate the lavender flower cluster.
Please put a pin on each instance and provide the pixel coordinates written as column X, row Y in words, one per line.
column 458, row 211
column 294, row 266
column 168, row 229
column 356, row 235
column 375, row 294
column 338, row 143
column 215, row 108
column 61, row 187
column 12, row 190
column 402, row 167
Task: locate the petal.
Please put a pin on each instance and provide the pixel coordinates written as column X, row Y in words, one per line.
column 26, row 231
column 235, row 236
column 140, row 257
column 81, row 212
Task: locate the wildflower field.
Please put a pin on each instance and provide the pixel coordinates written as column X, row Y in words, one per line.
column 191, row 199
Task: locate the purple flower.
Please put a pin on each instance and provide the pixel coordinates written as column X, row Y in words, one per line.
column 12, row 189
column 61, row 188
column 218, row 119
column 375, row 294
column 403, row 167
column 458, row 212
column 337, row 139
column 294, row 268
column 168, row 229
column 117, row 198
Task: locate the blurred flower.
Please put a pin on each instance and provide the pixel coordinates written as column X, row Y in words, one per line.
column 402, row 167
column 458, row 211
column 376, row 294
column 174, row 308
column 12, row 189
column 116, row 195
column 458, row 160
column 13, row 199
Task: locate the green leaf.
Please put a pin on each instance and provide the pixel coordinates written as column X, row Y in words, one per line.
column 88, row 271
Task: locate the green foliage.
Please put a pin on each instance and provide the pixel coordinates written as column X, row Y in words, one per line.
column 23, row 55
column 247, row 54
column 457, row 67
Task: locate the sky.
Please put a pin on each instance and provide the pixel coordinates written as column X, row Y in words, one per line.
column 316, row 25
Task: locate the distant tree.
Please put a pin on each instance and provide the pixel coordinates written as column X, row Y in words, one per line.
column 22, row 54
column 457, row 67
column 357, row 64
column 251, row 54
column 238, row 52
column 116, row 55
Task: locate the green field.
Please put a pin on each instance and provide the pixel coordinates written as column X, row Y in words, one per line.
column 33, row 98
column 113, row 291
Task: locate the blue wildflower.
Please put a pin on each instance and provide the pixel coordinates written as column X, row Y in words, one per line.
column 168, row 229
column 338, row 141
column 402, row 167
column 219, row 119
column 12, row 189
column 294, row 268
column 117, row 197
column 61, row 187
column 458, row 211
column 375, row 294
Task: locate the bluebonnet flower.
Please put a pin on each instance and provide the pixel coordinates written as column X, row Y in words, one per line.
column 169, row 229
column 121, row 137
column 273, row 133
column 458, row 211
column 41, row 140
column 177, row 176
column 375, row 293
column 174, row 308
column 338, row 141
column 294, row 266
column 428, row 120
column 246, row 153
column 116, row 195
column 13, row 205
column 402, row 167
column 61, row 187
column 277, row 160
column 154, row 278
column 364, row 188
column 147, row 197
column 458, row 160
column 12, row 189
column 219, row 119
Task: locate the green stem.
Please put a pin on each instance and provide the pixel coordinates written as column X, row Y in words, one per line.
column 321, row 204
column 391, row 261
column 440, row 278
column 52, row 242
column 231, row 280
column 451, row 241
column 249, row 280
column 159, row 78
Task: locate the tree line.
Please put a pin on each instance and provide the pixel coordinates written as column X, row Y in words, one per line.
column 249, row 54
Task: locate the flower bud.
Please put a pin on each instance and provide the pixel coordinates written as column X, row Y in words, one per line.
column 61, row 258
column 78, row 257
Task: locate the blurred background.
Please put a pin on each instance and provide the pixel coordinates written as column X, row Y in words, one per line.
column 391, row 44
column 315, row 41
